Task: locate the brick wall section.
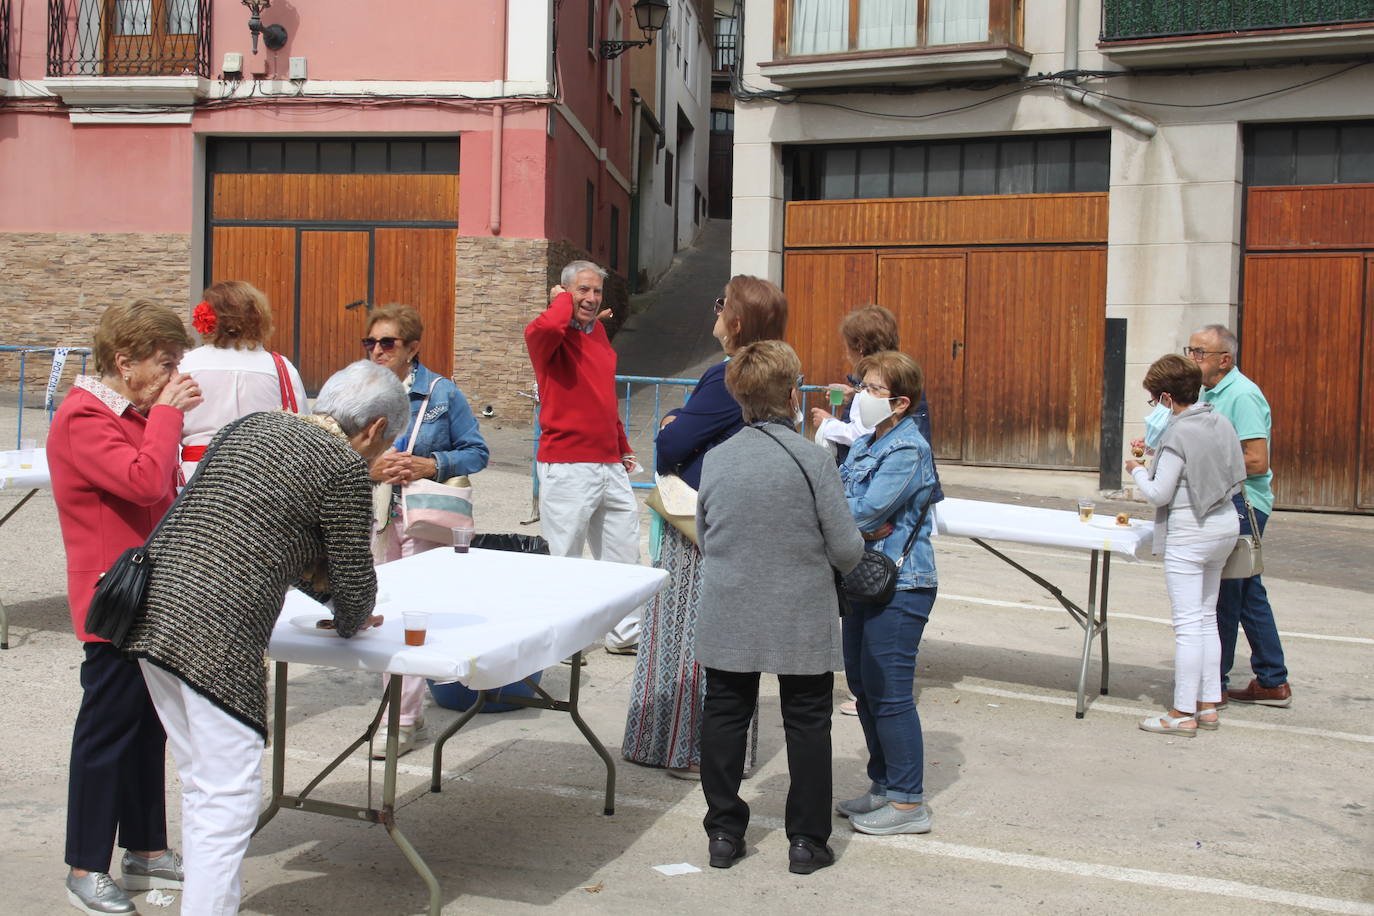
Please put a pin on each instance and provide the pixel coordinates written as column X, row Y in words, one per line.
column 502, row 284
column 53, row 287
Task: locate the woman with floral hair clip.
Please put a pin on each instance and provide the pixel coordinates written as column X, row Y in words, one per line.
column 234, row 368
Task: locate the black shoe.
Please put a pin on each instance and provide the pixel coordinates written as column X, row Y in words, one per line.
column 805, row 856
column 724, row 849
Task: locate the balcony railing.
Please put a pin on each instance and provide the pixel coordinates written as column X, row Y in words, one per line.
column 129, row 38
column 726, row 54
column 1125, row 20
column 4, row 39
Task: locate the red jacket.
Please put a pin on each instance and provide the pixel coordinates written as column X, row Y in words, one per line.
column 113, row 478
column 579, row 417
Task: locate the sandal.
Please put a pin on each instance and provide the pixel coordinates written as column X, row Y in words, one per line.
column 1211, row 724
column 1168, row 725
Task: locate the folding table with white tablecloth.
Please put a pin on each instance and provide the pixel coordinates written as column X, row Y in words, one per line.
column 495, row 618
column 1101, row 537
column 20, row 470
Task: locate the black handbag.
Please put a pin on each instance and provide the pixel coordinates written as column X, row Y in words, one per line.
column 874, row 580
column 122, row 589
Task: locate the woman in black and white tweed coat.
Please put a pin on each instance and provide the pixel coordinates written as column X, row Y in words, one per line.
column 278, row 500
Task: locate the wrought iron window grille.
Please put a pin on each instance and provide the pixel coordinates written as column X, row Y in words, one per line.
column 129, row 38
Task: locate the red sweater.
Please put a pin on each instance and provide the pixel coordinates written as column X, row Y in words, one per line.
column 113, row 478
column 579, row 417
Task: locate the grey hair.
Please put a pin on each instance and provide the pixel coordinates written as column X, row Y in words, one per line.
column 361, row 392
column 1226, row 338
column 576, row 267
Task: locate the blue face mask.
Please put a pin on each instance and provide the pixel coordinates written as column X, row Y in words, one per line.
column 1155, row 424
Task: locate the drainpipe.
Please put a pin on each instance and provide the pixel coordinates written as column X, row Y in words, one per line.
column 498, row 121
column 1107, row 107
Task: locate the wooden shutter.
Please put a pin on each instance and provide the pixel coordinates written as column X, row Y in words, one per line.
column 1034, row 358
column 1301, row 327
column 926, row 293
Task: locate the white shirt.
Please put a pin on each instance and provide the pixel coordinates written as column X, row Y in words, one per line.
column 234, row 383
column 842, row 433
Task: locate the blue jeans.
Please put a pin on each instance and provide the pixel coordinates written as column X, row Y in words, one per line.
column 880, row 644
column 1244, row 603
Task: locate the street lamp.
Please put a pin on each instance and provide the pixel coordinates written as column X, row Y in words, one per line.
column 274, row 36
column 649, row 15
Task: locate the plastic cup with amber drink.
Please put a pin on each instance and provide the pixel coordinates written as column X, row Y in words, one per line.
column 1085, row 510
column 417, row 626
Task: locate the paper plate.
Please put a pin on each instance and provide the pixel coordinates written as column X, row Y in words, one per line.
column 1109, row 523
column 306, row 622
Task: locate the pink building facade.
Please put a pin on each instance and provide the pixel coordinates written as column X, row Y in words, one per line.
column 454, row 157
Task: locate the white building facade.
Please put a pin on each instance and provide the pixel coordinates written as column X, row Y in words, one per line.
column 1046, row 222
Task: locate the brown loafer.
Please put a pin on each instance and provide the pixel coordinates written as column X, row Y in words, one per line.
column 1281, row 696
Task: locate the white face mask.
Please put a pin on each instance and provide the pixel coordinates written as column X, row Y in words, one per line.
column 872, row 409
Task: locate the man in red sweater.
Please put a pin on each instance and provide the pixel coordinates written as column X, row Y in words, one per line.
column 584, row 458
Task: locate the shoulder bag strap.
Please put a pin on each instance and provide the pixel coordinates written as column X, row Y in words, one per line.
column 420, row 418
column 288, row 393
column 1250, row 510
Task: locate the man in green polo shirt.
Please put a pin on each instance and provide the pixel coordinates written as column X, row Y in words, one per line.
column 1244, row 602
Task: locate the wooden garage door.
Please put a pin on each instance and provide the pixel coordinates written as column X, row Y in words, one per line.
column 1302, row 321
column 1033, row 363
column 821, row 287
column 417, row 267
column 264, row 256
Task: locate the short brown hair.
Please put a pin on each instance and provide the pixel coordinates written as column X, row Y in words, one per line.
column 1178, row 376
column 900, row 373
column 137, row 330
column 761, row 376
column 405, row 317
column 242, row 315
column 758, row 306
column 869, row 330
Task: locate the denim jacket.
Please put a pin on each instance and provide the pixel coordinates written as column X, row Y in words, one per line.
column 890, row 481
column 448, row 433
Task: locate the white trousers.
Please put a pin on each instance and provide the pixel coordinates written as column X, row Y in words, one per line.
column 1192, row 574
column 592, row 505
column 219, row 760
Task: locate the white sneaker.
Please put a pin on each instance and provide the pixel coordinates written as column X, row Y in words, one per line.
column 407, row 739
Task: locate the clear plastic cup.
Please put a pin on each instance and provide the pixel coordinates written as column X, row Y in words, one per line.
column 462, row 538
column 416, row 626
column 26, row 449
column 1085, row 510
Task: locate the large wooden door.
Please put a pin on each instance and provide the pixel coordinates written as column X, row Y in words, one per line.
column 821, row 288
column 1365, row 494
column 1312, row 305
column 417, row 267
column 333, row 273
column 264, row 256
column 926, row 292
column 1035, row 325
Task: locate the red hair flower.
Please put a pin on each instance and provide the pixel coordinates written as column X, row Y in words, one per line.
column 203, row 319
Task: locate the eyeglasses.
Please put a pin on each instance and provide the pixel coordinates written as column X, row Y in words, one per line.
column 386, row 343
column 1199, row 354
column 873, row 389
column 720, row 306
column 1153, row 402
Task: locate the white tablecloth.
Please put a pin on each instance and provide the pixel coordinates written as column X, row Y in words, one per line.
column 496, row 617
column 34, row 478
column 971, row 518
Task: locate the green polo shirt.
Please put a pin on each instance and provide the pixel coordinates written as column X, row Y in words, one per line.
column 1239, row 400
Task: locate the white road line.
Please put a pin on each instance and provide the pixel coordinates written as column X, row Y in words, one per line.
column 1229, row 720
column 1114, row 615
column 925, row 846
column 360, row 760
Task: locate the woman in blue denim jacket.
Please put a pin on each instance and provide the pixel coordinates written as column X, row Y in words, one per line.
column 889, row 481
column 447, row 445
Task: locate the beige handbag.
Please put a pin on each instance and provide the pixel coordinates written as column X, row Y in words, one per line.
column 676, row 502
column 1246, row 557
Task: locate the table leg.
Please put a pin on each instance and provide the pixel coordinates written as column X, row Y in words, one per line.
column 573, row 688
column 438, row 765
column 1102, row 626
column 1089, row 631
column 278, row 746
column 4, row 612
column 388, row 812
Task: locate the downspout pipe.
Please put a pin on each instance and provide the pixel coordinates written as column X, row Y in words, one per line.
column 498, row 122
column 1106, row 107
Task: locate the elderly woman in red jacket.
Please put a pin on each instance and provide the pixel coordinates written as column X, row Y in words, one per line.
column 113, row 453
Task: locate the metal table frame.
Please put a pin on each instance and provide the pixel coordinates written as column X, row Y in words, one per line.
column 4, row 613
column 1093, row 621
column 386, row 813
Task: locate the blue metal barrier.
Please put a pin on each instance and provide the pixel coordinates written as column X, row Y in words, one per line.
column 24, row 354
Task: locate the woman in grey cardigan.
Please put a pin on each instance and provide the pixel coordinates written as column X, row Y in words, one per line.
column 278, row 499
column 772, row 521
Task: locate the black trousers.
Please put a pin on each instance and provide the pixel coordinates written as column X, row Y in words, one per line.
column 115, row 783
column 807, row 704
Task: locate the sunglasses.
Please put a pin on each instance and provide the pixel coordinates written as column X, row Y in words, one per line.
column 719, row 306
column 386, row 343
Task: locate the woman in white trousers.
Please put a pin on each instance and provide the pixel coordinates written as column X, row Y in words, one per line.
column 1198, row 466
